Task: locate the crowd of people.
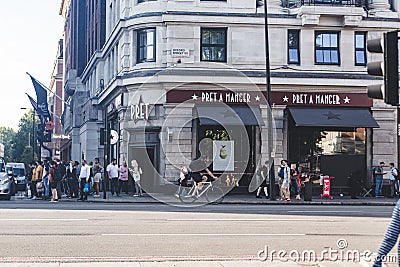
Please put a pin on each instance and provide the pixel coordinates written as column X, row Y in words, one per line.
column 54, row 179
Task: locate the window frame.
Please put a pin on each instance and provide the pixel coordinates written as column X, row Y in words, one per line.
column 139, row 46
column 337, row 48
column 297, row 32
column 364, row 49
column 225, row 45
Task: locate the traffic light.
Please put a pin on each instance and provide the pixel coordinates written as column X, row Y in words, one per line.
column 388, row 69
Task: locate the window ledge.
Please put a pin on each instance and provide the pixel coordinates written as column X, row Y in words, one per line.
column 351, row 16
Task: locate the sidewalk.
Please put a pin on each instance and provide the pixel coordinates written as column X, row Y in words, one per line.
column 242, row 199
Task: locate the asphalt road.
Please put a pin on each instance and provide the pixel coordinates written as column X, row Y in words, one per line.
column 129, row 232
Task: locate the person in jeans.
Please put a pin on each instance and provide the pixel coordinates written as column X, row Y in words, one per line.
column 84, row 177
column 112, row 170
column 378, row 174
column 285, row 193
column 123, row 178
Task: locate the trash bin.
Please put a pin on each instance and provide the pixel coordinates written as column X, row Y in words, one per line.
column 307, row 190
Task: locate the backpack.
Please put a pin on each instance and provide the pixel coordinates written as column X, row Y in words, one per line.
column 281, row 172
column 397, row 177
column 58, row 174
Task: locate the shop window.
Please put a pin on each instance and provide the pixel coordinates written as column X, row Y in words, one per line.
column 293, row 47
column 327, row 48
column 146, row 45
column 359, row 47
column 213, row 44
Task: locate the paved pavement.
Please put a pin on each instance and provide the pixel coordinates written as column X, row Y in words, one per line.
column 241, row 199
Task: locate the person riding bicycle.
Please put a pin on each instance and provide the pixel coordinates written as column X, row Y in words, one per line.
column 200, row 173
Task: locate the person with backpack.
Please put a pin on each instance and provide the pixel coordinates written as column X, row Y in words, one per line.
column 284, row 175
column 394, row 180
column 84, row 177
column 378, row 177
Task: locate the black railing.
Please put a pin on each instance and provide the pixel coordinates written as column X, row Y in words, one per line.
column 298, row 3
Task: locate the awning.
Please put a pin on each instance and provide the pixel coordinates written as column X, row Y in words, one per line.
column 230, row 115
column 333, row 117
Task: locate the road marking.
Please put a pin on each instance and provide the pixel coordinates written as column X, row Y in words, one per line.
column 49, row 219
column 203, row 234
column 254, row 219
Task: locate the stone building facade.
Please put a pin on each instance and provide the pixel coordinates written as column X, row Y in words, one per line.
column 169, row 72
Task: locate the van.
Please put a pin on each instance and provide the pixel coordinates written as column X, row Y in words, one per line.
column 18, row 171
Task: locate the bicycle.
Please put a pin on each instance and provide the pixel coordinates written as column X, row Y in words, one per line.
column 213, row 194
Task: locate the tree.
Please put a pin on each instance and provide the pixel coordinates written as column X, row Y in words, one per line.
column 7, row 135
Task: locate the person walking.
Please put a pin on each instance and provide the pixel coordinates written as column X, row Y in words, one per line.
column 394, row 183
column 45, row 178
column 284, row 173
column 96, row 176
column 112, row 170
column 53, row 182
column 136, row 172
column 390, row 238
column 123, row 178
column 263, row 176
column 294, row 185
column 84, row 177
column 378, row 177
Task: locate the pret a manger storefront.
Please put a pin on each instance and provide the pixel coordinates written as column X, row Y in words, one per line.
column 328, row 133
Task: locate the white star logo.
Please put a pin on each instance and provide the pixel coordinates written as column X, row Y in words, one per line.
column 194, row 97
column 346, row 100
column 257, row 98
column 285, row 99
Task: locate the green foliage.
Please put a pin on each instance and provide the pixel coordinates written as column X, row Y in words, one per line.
column 6, row 138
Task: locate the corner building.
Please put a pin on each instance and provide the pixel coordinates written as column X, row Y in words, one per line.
column 170, row 72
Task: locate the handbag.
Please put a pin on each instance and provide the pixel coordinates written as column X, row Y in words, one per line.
column 86, row 188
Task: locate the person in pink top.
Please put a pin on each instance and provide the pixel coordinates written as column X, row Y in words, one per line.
column 123, row 178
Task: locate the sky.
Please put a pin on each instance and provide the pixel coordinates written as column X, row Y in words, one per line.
column 29, row 35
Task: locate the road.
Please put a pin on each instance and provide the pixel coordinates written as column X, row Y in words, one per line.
column 97, row 231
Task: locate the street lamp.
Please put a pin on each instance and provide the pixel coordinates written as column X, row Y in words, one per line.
column 33, row 134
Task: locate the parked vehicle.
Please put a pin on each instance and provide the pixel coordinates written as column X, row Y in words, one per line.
column 7, row 184
column 18, row 172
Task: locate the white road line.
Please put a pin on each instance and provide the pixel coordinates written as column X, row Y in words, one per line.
column 254, row 220
column 325, row 211
column 49, row 219
column 202, row 234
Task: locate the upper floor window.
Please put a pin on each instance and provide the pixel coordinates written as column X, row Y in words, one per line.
column 359, row 47
column 293, row 47
column 213, row 44
column 327, row 48
column 146, row 43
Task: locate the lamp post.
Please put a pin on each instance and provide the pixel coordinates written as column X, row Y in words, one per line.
column 268, row 89
column 33, row 133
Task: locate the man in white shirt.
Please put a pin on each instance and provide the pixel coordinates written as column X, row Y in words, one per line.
column 394, row 183
column 84, row 177
column 112, row 170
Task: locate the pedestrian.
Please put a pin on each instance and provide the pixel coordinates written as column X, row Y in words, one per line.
column 45, row 179
column 59, row 177
column 391, row 237
column 263, row 176
column 183, row 178
column 34, row 181
column 394, row 183
column 72, row 180
column 378, row 177
column 97, row 168
column 112, row 170
column 136, row 172
column 284, row 174
column 52, row 181
column 123, row 178
column 84, row 177
column 294, row 185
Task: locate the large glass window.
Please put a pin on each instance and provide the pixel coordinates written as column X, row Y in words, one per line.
column 213, row 44
column 146, row 45
column 293, row 47
column 327, row 48
column 359, row 47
